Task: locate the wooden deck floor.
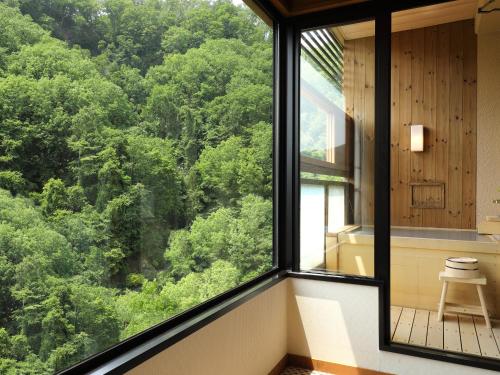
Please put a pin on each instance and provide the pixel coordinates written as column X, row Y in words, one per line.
column 457, row 333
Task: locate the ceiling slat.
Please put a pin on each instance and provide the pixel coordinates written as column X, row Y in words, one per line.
column 325, row 53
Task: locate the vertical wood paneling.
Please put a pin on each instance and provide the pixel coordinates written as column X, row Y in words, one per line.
column 359, row 86
column 359, row 121
column 429, row 108
column 434, row 84
column 454, row 196
column 417, row 111
column 469, row 150
column 369, row 129
column 443, row 112
column 395, row 185
column 405, row 95
column 348, row 83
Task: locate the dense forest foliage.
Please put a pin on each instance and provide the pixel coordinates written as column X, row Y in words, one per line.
column 135, row 168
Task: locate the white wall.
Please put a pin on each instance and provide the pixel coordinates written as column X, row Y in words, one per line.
column 488, row 124
column 249, row 340
column 337, row 322
column 333, row 322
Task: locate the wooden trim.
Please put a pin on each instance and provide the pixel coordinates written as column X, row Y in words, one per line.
column 330, row 367
column 416, row 18
column 440, row 203
column 311, row 181
column 336, row 117
column 259, row 12
column 312, row 165
column 282, row 6
column 280, row 366
column 298, row 7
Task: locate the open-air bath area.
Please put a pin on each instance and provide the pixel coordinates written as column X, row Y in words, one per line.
column 444, row 170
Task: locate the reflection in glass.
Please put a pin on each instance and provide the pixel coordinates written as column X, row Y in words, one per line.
column 336, row 147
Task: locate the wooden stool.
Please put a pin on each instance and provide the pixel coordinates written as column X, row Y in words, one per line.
column 460, row 308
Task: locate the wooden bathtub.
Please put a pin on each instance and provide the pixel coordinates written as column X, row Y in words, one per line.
column 417, row 256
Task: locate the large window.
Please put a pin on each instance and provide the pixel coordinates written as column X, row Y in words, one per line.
column 135, row 168
column 444, row 212
column 337, row 92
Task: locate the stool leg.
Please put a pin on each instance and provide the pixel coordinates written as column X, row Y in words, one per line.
column 483, row 305
column 442, row 301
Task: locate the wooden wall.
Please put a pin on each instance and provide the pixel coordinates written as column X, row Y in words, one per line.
column 433, row 83
column 359, row 91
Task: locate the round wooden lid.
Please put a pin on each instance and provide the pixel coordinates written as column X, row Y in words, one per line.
column 466, row 260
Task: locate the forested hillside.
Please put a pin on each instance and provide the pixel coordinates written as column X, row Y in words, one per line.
column 135, row 168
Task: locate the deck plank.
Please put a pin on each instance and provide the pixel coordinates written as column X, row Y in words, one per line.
column 470, row 344
column 403, row 330
column 419, row 330
column 486, row 340
column 451, row 333
column 496, row 331
column 456, row 333
column 395, row 314
column 434, row 332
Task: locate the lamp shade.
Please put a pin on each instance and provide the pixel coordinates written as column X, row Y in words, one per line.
column 417, row 138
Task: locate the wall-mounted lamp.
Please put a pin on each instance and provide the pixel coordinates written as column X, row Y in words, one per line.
column 417, row 138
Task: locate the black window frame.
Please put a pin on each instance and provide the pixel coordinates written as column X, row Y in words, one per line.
column 286, row 185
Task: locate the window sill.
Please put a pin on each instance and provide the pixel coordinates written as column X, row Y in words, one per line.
column 339, row 278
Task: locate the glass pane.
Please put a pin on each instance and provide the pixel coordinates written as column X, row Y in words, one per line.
column 337, row 78
column 312, row 215
column 336, row 208
column 135, row 168
column 444, row 177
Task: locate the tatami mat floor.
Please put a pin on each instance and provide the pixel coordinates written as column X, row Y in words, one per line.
column 301, row 371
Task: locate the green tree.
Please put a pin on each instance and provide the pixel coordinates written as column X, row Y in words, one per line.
column 242, row 236
column 54, row 196
column 234, row 168
column 199, row 287
column 127, row 215
column 51, row 58
column 17, row 30
column 75, row 21
column 206, row 242
column 154, row 303
column 12, row 181
column 133, row 32
column 219, row 20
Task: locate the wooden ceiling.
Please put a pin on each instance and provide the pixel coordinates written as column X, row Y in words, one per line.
column 295, row 7
column 416, row 18
column 405, row 20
